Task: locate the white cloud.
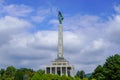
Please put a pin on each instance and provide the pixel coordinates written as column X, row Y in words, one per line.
column 17, row 10
column 44, row 14
column 98, row 44
column 113, row 30
column 88, row 39
column 10, row 26
column 41, row 15
column 8, row 23
column 73, row 41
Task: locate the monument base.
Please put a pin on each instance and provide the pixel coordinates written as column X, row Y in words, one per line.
column 61, row 67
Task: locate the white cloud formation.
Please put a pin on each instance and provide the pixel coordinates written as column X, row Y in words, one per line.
column 41, row 15
column 44, row 14
column 8, row 23
column 88, row 39
column 114, row 29
column 17, row 10
column 10, row 26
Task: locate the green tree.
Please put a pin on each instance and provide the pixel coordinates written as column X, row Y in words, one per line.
column 110, row 70
column 64, row 77
column 8, row 79
column 71, row 78
column 19, row 75
column 2, row 71
column 112, row 67
column 48, row 77
column 56, row 77
column 93, row 79
column 41, row 72
column 77, row 78
column 99, row 73
column 85, row 79
column 10, row 72
column 27, row 71
column 80, row 74
column 36, row 76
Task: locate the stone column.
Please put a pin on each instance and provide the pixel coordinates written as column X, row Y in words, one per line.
column 55, row 70
column 60, row 42
column 66, row 71
column 50, row 70
column 61, row 71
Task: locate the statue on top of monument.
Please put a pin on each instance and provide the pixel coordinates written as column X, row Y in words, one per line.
column 60, row 17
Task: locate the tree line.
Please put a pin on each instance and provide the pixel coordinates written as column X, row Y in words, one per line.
column 11, row 73
column 110, row 70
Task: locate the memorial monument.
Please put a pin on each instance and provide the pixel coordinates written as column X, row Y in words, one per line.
column 60, row 65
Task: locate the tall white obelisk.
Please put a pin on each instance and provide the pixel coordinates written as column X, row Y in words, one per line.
column 60, row 36
column 60, row 42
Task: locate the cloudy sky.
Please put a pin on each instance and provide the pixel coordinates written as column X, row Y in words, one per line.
column 29, row 32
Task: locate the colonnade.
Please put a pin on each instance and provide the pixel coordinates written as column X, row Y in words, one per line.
column 60, row 70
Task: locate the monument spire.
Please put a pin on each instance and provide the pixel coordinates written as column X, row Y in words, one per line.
column 60, row 36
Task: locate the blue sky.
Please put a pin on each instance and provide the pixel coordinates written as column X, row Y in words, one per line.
column 70, row 6
column 29, row 32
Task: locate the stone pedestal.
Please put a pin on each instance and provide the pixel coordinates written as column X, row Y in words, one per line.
column 60, row 67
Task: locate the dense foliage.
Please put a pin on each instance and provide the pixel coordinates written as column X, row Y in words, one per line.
column 11, row 73
column 110, row 70
column 80, row 74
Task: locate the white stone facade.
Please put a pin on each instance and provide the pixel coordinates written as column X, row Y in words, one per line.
column 60, row 67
